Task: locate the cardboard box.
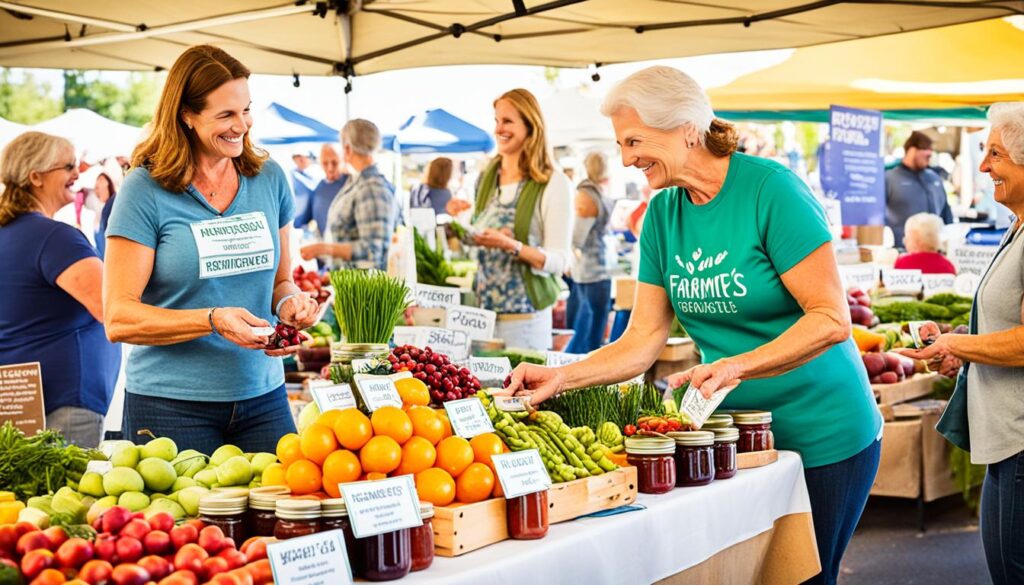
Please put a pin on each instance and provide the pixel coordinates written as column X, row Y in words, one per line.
column 915, row 459
column 623, row 290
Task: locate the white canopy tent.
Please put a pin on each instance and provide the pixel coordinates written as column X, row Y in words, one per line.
column 8, row 130
column 95, row 137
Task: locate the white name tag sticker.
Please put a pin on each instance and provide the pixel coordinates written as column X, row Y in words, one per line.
column 377, row 391
column 376, row 507
column 490, row 371
column 477, row 323
column 239, row 244
column 468, row 417
column 558, row 358
column 429, row 296
column 938, row 283
column 317, row 559
column 521, row 473
column 333, row 397
column 902, row 280
column 512, row 403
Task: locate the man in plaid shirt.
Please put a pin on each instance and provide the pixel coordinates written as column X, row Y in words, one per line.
column 362, row 217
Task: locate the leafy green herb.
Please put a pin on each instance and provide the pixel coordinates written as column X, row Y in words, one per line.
column 41, row 464
column 431, row 265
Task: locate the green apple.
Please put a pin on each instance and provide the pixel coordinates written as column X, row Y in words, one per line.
column 182, row 483
column 260, row 461
column 162, row 448
column 125, row 456
column 225, row 452
column 158, row 474
column 165, row 505
column 234, row 471
column 122, row 479
column 92, row 484
column 188, row 463
column 134, row 501
column 189, row 499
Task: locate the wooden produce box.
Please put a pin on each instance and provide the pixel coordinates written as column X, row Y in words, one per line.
column 623, row 291
column 917, row 386
column 462, row 528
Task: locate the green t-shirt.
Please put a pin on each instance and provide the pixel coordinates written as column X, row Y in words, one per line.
column 720, row 264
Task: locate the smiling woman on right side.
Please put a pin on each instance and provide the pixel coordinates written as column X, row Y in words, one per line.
column 986, row 413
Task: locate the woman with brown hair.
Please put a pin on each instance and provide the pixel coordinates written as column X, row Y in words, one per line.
column 523, row 216
column 433, row 192
column 197, row 256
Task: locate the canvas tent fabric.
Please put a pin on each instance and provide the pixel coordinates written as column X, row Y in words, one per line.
column 360, row 37
column 438, row 131
column 951, row 72
column 9, row 130
column 279, row 125
column 94, row 136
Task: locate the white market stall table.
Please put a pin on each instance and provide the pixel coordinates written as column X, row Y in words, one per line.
column 754, row 527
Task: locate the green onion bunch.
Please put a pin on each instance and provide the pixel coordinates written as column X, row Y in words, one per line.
column 368, row 304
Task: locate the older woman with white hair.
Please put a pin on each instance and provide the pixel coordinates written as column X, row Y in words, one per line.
column 922, row 237
column 738, row 249
column 990, row 423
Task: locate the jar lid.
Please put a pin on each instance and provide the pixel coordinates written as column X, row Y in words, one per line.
column 265, row 498
column 727, row 435
column 291, row 509
column 333, row 508
column 221, row 504
column 349, row 350
column 717, row 421
column 426, row 510
column 650, row 445
column 693, row 438
column 752, row 417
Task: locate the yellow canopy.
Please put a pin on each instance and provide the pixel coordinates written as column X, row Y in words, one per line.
column 353, row 36
column 957, row 66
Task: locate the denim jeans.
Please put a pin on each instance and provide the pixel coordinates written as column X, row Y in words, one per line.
column 838, row 493
column 251, row 425
column 1002, row 520
column 587, row 313
column 80, row 426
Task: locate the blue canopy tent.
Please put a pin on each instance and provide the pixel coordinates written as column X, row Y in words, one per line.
column 279, row 125
column 441, row 132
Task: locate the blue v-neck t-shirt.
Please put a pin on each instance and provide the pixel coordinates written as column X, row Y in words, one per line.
column 204, row 258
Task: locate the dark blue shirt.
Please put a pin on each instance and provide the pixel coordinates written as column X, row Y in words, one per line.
column 427, row 196
column 908, row 192
column 41, row 322
column 101, row 233
column 322, row 197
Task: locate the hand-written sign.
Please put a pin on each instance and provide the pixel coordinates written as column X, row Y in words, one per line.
column 490, row 371
column 468, row 417
column 317, row 559
column 377, row 391
column 974, row 260
column 862, row 276
column 521, row 473
column 21, row 397
column 908, row 281
column 386, row 505
column 477, row 323
column 938, row 283
column 333, row 397
column 454, row 344
column 437, row 296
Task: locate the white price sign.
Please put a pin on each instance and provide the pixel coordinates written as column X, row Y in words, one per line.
column 974, row 260
column 386, row 505
column 333, row 397
column 490, row 371
column 862, row 276
column 468, row 417
column 521, row 473
column 938, row 283
column 902, row 280
column 966, row 284
column 377, row 391
column 512, row 403
column 317, row 559
column 454, row 344
column 558, row 358
column 429, row 296
column 477, row 323
column 424, row 221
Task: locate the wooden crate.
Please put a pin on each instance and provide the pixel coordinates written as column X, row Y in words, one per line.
column 910, row 389
column 462, row 528
column 624, row 288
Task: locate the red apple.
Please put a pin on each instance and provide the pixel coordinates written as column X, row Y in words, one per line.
column 115, row 518
column 157, row 542
column 35, row 561
column 161, row 521
column 129, row 549
column 74, row 552
column 95, row 572
column 190, row 557
column 32, row 541
column 56, row 535
column 106, row 547
column 137, row 529
column 211, row 539
column 184, row 534
column 156, row 566
column 129, row 574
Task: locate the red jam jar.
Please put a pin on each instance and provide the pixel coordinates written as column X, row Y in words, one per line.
column 334, row 516
column 725, row 452
column 385, row 557
column 695, row 458
column 755, row 427
column 226, row 510
column 296, row 518
column 654, row 460
column 422, row 539
column 717, row 421
column 527, row 516
column 261, row 517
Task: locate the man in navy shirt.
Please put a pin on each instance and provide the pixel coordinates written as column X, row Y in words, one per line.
column 911, row 187
column 325, row 192
column 305, row 176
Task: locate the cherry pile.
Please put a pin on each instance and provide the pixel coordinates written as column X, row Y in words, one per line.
column 284, row 336
column 312, row 283
column 447, row 381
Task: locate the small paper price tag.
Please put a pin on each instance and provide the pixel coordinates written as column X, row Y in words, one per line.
column 386, row 505
column 558, row 358
column 477, row 323
column 862, row 276
column 429, row 296
column 333, row 397
column 908, row 281
column 521, row 473
column 698, row 408
column 490, row 371
column 317, row 559
column 468, row 417
column 100, row 467
column 938, row 283
column 377, row 391
column 512, row 403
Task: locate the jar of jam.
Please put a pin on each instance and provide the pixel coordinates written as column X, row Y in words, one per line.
column 422, row 539
column 343, row 354
column 296, row 518
column 385, row 557
column 725, row 452
column 334, row 516
column 527, row 516
column 226, row 511
column 653, row 459
column 755, row 427
column 262, row 517
column 695, row 458
column 717, row 421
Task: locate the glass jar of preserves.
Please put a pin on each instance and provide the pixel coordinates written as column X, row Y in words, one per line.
column 422, row 539
column 755, row 427
column 527, row 516
column 725, row 452
column 654, row 462
column 385, row 557
column 334, row 516
column 296, row 518
column 262, row 517
column 717, row 421
column 226, row 511
column 695, row 458
column 342, row 355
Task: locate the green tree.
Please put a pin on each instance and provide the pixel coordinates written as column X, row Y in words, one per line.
column 26, row 101
column 132, row 103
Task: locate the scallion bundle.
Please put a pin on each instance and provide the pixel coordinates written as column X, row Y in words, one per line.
column 368, row 304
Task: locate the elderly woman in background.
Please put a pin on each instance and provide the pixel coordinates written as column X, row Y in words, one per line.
column 52, row 311
column 590, row 283
column 434, row 192
column 922, row 239
column 739, row 250
column 197, row 256
column 986, row 412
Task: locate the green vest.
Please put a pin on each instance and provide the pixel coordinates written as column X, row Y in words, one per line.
column 542, row 290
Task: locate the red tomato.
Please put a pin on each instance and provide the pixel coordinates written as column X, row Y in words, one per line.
column 190, row 557
column 214, row 566
column 255, row 550
column 260, row 571
column 161, row 521
column 234, row 558
column 129, row 574
column 56, row 536
column 74, row 552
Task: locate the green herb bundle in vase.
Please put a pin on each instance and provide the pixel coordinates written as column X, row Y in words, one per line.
column 367, row 305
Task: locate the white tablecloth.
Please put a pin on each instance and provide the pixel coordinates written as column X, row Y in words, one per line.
column 678, row 530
